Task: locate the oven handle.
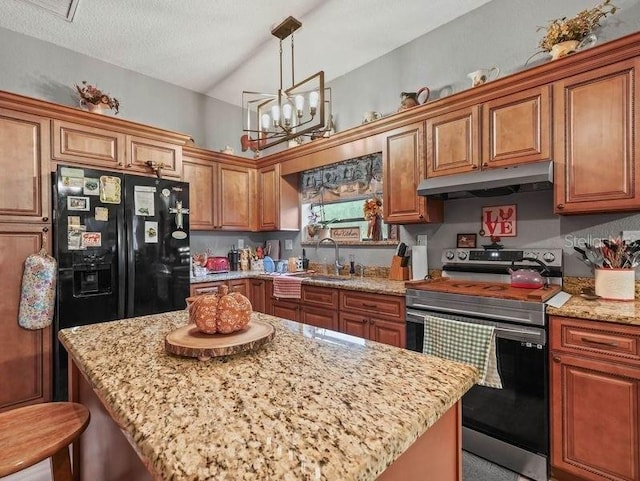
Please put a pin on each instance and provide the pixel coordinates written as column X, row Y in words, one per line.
column 529, row 335
column 469, row 313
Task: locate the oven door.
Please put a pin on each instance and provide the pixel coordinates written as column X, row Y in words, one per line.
column 495, row 420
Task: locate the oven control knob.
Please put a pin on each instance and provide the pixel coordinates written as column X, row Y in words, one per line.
column 549, row 257
column 532, row 255
column 450, row 255
column 462, row 255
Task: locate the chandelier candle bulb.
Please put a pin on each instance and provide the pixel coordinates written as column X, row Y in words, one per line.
column 286, row 113
column 313, row 102
column 266, row 121
column 299, row 105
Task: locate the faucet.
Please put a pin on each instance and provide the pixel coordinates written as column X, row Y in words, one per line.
column 337, row 253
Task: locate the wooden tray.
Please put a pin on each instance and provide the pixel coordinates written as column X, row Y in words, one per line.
column 188, row 341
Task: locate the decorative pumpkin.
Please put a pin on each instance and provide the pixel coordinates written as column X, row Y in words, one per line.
column 221, row 313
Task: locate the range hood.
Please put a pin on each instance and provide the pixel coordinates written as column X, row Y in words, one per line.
column 491, row 182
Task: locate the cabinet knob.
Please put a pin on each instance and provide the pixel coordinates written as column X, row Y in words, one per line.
column 420, row 216
column 45, row 229
column 485, row 164
column 371, row 306
column 372, row 321
column 560, row 206
column 120, row 164
column 45, row 219
column 474, row 166
column 556, row 359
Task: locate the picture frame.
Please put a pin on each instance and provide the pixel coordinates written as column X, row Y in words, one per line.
column 466, row 241
column 75, row 202
column 345, row 233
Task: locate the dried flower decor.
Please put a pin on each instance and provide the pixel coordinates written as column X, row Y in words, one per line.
column 576, row 28
column 372, row 208
column 92, row 95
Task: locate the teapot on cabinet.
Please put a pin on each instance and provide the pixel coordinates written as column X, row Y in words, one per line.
column 413, row 99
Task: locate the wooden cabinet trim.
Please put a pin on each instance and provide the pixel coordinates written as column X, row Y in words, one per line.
column 319, row 296
column 391, row 307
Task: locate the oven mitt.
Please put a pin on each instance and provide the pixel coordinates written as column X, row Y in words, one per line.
column 38, row 293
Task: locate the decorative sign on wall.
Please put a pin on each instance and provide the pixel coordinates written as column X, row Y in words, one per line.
column 499, row 220
column 345, row 233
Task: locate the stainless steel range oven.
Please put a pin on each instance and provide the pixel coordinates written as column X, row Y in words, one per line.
column 508, row 426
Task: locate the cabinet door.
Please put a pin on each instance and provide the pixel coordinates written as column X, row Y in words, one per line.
column 354, row 324
column 24, row 162
column 25, row 355
column 387, row 332
column 239, row 285
column 235, row 197
column 206, row 288
column 165, row 155
column 200, row 174
column 403, row 169
column 257, row 295
column 319, row 317
column 91, row 146
column 595, row 140
column 517, row 128
column 286, row 309
column 595, row 420
column 268, row 195
column 391, row 307
column 320, row 296
column 453, row 142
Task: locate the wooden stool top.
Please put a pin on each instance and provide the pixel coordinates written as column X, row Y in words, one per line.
column 33, row 433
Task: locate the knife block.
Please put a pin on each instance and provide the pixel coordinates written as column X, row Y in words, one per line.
column 397, row 272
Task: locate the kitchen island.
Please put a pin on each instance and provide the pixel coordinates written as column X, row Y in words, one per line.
column 313, row 404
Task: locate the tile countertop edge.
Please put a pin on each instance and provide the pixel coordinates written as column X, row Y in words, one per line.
column 367, row 284
column 447, row 392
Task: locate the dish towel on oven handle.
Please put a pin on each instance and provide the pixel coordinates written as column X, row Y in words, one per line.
column 465, row 342
column 286, row 287
column 37, row 297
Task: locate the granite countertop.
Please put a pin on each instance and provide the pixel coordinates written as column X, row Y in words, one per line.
column 364, row 284
column 620, row 312
column 312, row 404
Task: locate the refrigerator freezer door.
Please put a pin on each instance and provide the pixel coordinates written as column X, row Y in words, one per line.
column 159, row 259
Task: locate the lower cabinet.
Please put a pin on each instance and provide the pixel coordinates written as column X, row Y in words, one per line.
column 595, row 400
column 258, row 295
column 239, row 285
column 287, row 309
column 213, row 287
column 373, row 328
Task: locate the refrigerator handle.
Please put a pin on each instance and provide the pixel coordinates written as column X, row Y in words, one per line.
column 122, row 264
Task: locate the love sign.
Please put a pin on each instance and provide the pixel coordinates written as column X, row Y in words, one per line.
column 499, row 220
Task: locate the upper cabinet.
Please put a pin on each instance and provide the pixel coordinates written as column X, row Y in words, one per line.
column 403, row 169
column 278, row 200
column 24, row 160
column 103, row 148
column 221, row 196
column 453, row 142
column 596, row 169
column 517, row 128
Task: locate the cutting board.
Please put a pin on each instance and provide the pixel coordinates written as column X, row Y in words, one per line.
column 188, row 341
column 275, row 248
column 486, row 289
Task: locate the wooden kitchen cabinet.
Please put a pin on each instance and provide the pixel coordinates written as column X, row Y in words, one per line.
column 516, row 128
column 375, row 317
column 206, row 288
column 24, row 160
column 95, row 147
column 165, row 155
column 595, row 400
column 453, row 142
column 25, row 355
column 221, row 196
column 595, row 140
column 258, row 294
column 319, row 306
column 286, row 308
column 403, row 169
column 239, row 285
column 278, row 200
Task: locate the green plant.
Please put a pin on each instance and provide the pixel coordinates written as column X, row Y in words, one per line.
column 90, row 94
column 575, row 28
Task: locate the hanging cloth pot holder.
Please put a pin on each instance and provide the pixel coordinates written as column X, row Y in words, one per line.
column 38, row 293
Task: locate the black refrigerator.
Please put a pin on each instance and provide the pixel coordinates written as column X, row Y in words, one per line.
column 122, row 246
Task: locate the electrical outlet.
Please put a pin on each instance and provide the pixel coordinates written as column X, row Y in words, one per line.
column 631, row 235
column 240, row 243
column 288, row 244
column 422, row 240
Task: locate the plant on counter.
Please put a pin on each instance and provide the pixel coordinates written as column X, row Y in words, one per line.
column 576, row 28
column 93, row 96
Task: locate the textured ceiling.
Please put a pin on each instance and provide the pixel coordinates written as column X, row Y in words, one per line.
column 221, row 47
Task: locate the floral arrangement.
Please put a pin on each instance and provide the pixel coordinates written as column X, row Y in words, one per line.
column 576, row 28
column 372, row 208
column 93, row 95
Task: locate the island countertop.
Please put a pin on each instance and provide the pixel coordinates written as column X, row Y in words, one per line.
column 312, row 404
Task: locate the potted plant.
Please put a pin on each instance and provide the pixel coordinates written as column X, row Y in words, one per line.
column 95, row 99
column 563, row 36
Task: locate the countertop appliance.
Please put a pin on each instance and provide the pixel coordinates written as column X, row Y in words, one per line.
column 217, row 265
column 508, row 426
column 122, row 246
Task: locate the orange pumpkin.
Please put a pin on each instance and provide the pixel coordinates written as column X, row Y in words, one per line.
column 221, row 313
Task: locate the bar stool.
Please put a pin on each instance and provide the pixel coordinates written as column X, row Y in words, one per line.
column 31, row 434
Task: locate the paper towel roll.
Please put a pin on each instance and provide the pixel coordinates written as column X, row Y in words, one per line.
column 419, row 268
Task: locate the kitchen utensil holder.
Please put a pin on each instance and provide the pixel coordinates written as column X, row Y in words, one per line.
column 615, row 284
column 397, row 272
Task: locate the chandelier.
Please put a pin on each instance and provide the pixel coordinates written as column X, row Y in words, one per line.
column 304, row 109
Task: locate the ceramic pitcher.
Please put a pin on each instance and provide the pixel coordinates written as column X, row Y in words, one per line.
column 483, row 75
